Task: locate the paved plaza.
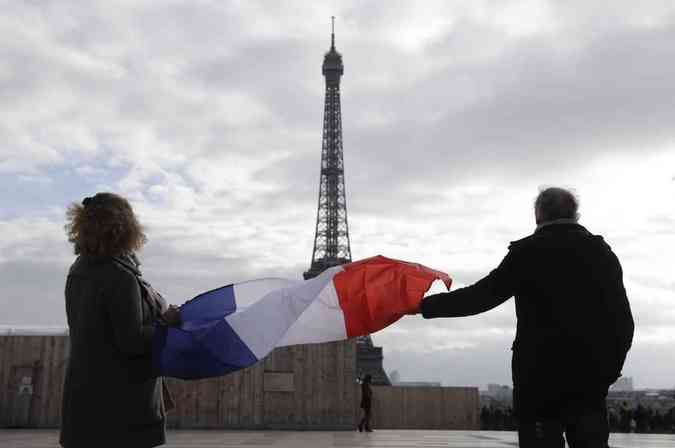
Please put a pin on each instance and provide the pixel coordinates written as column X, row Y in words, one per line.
column 326, row 439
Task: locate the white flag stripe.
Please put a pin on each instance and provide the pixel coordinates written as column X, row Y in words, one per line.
column 263, row 324
column 322, row 321
column 247, row 293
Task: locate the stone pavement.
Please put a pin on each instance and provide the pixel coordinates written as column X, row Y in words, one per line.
column 328, row 439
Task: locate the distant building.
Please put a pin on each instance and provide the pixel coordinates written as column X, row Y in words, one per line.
column 418, row 384
column 395, row 378
column 496, row 395
column 500, row 392
column 623, row 384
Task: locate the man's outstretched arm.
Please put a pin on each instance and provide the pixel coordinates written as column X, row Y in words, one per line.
column 482, row 296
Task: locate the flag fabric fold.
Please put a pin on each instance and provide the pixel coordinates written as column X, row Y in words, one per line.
column 233, row 327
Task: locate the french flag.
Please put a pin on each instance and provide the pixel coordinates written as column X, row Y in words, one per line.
column 235, row 326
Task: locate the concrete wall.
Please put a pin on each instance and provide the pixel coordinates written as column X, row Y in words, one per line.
column 396, row 407
column 300, row 387
column 279, row 392
column 31, row 380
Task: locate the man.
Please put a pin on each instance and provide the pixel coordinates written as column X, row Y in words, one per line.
column 574, row 324
column 366, row 404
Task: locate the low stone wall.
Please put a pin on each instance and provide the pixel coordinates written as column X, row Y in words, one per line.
column 425, row 407
column 300, row 387
column 32, row 370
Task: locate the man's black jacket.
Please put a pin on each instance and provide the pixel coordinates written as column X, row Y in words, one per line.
column 574, row 322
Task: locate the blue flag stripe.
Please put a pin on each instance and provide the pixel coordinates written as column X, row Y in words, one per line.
column 203, row 354
column 211, row 305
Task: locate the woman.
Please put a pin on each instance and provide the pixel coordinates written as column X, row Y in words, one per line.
column 112, row 396
column 366, row 403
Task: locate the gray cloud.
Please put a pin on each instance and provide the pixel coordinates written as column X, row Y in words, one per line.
column 33, row 291
column 209, row 118
column 546, row 109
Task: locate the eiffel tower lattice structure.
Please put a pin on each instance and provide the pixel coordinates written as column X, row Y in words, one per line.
column 331, row 241
column 369, row 361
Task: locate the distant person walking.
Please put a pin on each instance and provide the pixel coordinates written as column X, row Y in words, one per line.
column 366, row 404
column 111, row 397
column 574, row 328
column 626, row 415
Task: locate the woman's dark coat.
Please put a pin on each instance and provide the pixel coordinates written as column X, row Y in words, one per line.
column 111, row 397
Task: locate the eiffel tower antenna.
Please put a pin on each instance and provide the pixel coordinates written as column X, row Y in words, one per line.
column 332, row 32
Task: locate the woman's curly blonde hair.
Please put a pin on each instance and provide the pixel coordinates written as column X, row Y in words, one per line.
column 104, row 225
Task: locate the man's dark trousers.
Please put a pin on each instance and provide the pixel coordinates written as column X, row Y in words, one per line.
column 583, row 421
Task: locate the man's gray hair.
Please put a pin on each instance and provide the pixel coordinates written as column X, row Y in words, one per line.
column 556, row 203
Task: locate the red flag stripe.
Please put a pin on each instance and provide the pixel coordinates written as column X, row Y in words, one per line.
column 378, row 291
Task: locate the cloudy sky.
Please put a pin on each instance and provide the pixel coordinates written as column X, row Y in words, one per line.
column 208, row 115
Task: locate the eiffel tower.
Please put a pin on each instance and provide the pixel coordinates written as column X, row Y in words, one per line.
column 331, row 240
